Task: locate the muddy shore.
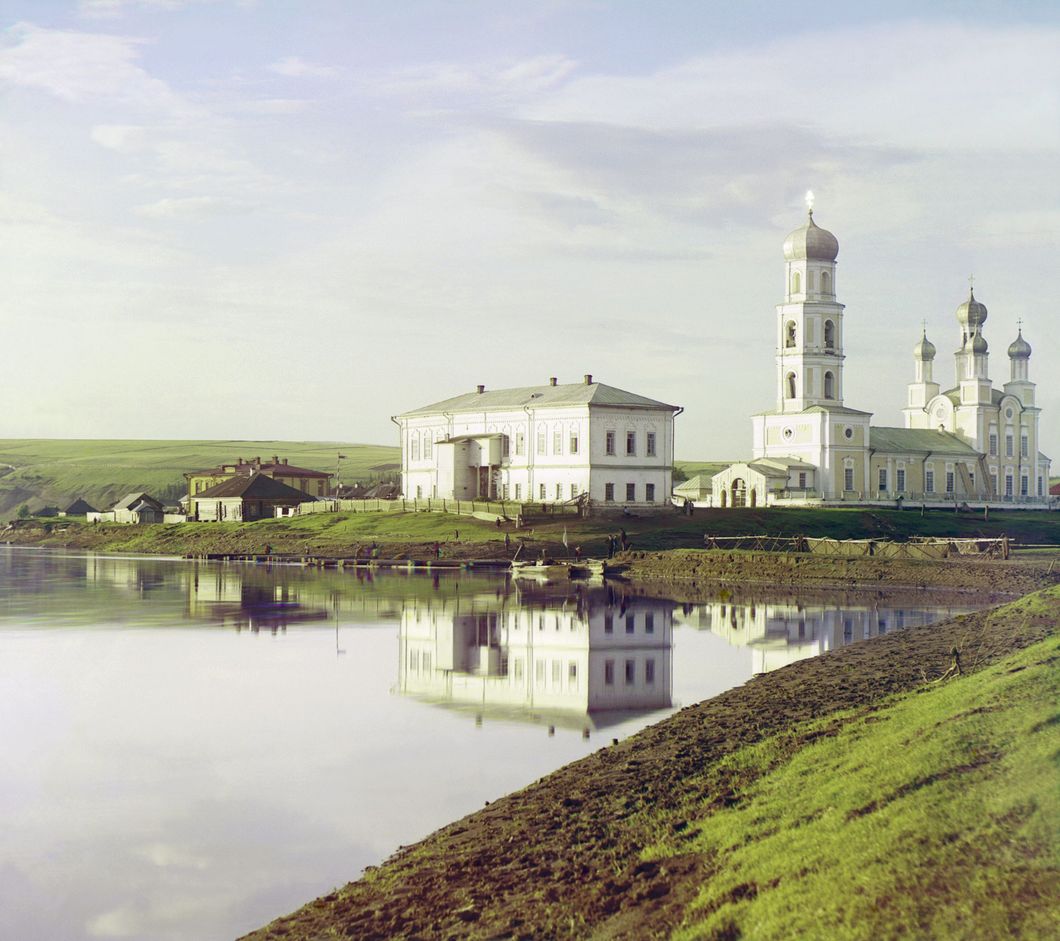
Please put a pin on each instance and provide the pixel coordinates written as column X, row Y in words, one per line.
column 561, row 858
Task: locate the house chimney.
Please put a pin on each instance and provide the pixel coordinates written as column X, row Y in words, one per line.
column 588, row 378
column 275, row 459
column 480, row 389
column 552, row 380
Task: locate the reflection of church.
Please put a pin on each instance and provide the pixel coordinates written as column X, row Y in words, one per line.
column 971, row 442
column 782, row 632
column 573, row 660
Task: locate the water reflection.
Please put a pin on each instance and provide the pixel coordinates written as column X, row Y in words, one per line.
column 586, row 658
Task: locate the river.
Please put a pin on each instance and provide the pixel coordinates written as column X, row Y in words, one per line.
column 191, row 749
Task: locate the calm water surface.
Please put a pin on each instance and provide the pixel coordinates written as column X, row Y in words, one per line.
column 190, row 749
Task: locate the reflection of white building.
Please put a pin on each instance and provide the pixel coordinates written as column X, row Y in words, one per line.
column 782, row 633
column 542, row 444
column 548, row 659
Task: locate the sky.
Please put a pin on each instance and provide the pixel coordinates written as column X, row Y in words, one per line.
column 292, row 220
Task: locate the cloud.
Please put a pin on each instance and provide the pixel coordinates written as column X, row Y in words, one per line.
column 293, row 67
column 80, row 67
column 112, row 9
column 194, row 207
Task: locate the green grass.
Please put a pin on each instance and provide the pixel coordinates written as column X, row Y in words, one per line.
column 934, row 816
column 55, row 471
column 686, row 470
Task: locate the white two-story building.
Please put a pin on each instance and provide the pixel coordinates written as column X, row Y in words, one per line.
column 544, row 444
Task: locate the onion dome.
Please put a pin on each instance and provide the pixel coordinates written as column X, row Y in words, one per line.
column 812, row 242
column 978, row 343
column 925, row 349
column 1019, row 348
column 971, row 313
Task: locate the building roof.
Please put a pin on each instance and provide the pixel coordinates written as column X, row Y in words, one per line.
column 811, row 241
column 1054, row 490
column 954, row 395
column 255, row 487
column 256, row 465
column 924, row 440
column 783, row 464
column 701, row 483
column 546, row 396
column 78, row 507
column 137, row 501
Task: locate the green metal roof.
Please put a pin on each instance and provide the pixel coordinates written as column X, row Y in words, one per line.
column 548, row 396
column 904, row 440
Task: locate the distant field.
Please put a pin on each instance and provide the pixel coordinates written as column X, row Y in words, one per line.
column 686, row 470
column 55, row 471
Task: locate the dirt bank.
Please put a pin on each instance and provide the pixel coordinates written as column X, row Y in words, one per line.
column 561, row 858
column 691, row 568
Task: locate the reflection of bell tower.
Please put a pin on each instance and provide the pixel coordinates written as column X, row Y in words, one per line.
column 809, row 322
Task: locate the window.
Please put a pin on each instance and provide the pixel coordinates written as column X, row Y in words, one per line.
column 504, row 491
column 1008, row 444
column 557, row 442
column 520, row 443
column 427, row 444
column 949, row 481
column 557, row 672
column 414, row 661
column 631, row 443
column 541, row 441
column 631, row 492
column 796, row 282
column 573, row 444
column 826, row 283
column 883, row 478
column 789, row 334
column 1041, row 487
column 419, row 491
column 1008, row 486
column 609, row 443
column 1024, row 446
column 993, row 442
column 573, row 491
column 539, row 672
column 802, row 480
column 609, row 493
column 848, row 478
column 517, row 668
column 504, row 445
column 649, row 493
column 929, row 481
column 609, row 623
column 414, row 448
column 791, row 385
column 631, row 623
column 829, row 335
column 993, row 483
column 631, row 672
column 649, row 622
column 899, row 480
column 651, row 444
column 1024, row 486
column 572, row 673
column 559, row 491
column 609, row 672
column 518, row 491
column 541, row 491
column 829, row 385
column 649, row 671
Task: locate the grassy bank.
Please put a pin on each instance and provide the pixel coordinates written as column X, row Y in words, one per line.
column 414, row 534
column 54, row 471
column 857, row 795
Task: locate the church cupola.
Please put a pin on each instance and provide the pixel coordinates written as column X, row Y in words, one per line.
column 971, row 315
column 924, row 357
column 1019, row 352
column 923, row 388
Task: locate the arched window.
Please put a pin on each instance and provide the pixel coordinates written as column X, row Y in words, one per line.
column 796, row 283
column 829, row 385
column 789, row 334
column 826, row 283
column 414, row 447
column 829, row 335
column 791, row 385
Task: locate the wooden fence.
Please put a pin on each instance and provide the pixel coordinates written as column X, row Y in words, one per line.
column 489, row 508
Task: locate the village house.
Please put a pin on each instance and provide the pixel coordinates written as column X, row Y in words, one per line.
column 243, row 498
column 312, row 482
column 544, row 444
column 132, row 509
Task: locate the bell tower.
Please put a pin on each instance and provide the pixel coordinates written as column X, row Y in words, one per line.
column 809, row 321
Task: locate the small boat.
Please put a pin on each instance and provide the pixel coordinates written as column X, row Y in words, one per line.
column 549, row 570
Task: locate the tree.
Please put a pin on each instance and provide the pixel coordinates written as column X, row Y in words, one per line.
column 23, row 511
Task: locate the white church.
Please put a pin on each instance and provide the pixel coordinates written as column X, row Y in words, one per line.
column 969, row 443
